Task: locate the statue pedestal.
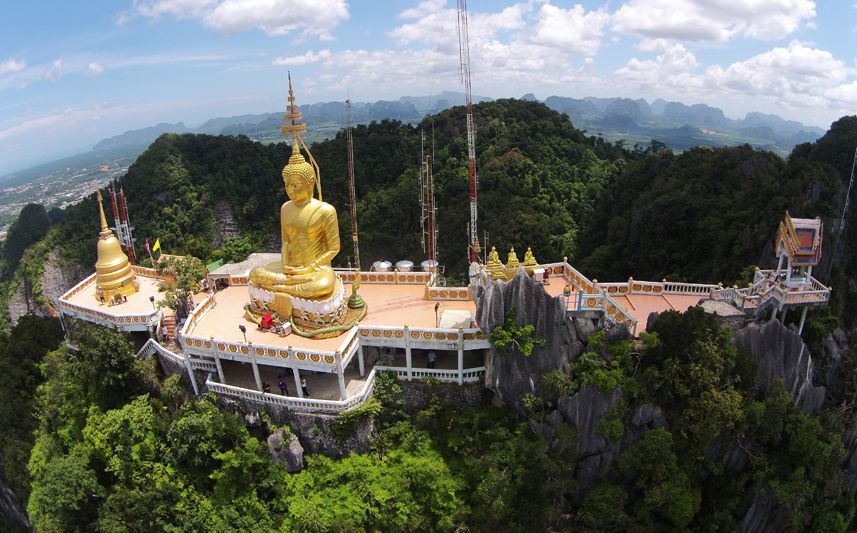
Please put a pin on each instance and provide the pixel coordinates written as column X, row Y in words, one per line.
column 329, row 317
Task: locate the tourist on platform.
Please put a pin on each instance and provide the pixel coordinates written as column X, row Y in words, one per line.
column 266, row 387
column 281, row 383
column 303, row 387
column 431, row 358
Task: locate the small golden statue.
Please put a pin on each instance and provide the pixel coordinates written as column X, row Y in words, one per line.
column 529, row 259
column 512, row 263
column 495, row 267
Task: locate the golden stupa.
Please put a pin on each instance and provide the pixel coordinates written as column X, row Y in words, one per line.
column 113, row 272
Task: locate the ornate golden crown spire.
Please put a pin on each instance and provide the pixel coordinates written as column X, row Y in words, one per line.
column 296, row 161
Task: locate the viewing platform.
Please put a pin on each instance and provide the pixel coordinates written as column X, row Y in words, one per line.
column 138, row 313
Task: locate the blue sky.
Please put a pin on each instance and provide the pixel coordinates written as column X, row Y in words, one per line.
column 72, row 73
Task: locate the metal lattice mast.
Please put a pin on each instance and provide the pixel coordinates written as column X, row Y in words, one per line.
column 464, row 56
column 127, row 228
column 841, row 228
column 428, row 209
column 352, row 193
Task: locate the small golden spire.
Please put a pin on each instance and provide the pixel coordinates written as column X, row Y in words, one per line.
column 104, row 226
column 292, row 114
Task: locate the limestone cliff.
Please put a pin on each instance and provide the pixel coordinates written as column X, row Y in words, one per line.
column 782, row 355
column 509, row 373
column 58, row 276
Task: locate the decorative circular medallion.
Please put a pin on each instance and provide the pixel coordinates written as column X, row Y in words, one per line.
column 329, row 359
column 314, row 358
column 301, row 356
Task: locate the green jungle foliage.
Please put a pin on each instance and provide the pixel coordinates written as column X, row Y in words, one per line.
column 118, row 448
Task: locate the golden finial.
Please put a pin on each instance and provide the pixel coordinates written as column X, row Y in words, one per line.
column 292, row 114
column 101, row 213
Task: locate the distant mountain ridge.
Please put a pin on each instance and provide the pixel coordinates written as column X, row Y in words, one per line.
column 681, row 126
column 677, row 125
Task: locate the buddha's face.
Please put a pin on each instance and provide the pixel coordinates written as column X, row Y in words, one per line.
column 298, row 189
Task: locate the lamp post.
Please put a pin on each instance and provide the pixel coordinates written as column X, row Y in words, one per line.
column 436, row 319
column 243, row 332
column 152, row 299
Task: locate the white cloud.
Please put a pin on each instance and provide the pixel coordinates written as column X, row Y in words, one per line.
column 11, row 65
column 55, row 71
column 795, row 76
column 670, row 68
column 93, row 70
column 274, row 17
column 845, row 94
column 570, row 30
column 423, row 8
column 303, row 59
column 712, row 20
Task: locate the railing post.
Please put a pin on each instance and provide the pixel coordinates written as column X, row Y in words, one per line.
column 360, row 363
column 190, row 373
column 297, row 375
column 802, row 319
column 217, row 362
column 408, row 353
column 460, row 356
column 340, row 374
column 255, row 366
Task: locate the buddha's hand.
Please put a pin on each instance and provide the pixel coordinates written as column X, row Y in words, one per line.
column 296, row 270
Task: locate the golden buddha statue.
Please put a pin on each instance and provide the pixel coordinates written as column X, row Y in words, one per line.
column 310, row 232
column 529, row 258
column 113, row 273
column 494, row 266
column 512, row 263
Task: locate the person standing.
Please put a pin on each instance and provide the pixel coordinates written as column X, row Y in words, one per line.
column 431, row 358
column 281, row 383
column 303, row 387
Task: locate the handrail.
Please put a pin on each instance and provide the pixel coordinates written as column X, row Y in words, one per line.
column 299, row 404
column 440, row 374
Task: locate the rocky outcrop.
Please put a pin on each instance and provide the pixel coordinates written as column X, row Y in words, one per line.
column 11, row 517
column 508, row 372
column 595, row 452
column 317, row 436
column 286, row 451
column 782, row 355
column 764, row 515
column 827, row 370
column 59, row 275
column 850, row 464
column 227, row 226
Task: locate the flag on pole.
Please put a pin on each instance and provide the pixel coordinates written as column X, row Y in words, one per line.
column 147, row 246
column 157, row 245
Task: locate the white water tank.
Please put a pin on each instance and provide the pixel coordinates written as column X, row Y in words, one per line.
column 404, row 265
column 429, row 265
column 381, row 266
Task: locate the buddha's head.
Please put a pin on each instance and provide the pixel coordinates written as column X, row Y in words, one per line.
column 298, row 177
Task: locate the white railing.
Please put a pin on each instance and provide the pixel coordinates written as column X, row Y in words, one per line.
column 447, row 293
column 264, row 354
column 136, row 321
column 633, row 286
column 386, row 278
column 153, row 346
column 678, row 287
column 445, row 338
column 309, row 405
column 444, row 375
column 196, row 315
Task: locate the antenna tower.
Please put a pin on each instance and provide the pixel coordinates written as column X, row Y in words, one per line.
column 841, row 228
column 352, row 193
column 122, row 228
column 464, row 56
column 428, row 209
